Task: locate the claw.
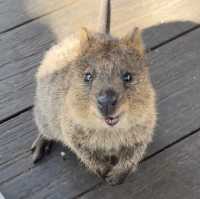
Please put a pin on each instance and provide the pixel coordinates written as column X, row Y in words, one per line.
column 116, row 179
column 40, row 148
column 103, row 172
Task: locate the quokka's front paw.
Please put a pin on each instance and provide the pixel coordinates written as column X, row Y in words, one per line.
column 40, row 148
column 114, row 178
column 103, row 171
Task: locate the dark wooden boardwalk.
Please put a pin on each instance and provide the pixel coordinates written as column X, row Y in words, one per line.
column 171, row 168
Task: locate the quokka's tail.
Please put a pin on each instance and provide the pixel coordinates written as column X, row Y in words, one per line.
column 104, row 17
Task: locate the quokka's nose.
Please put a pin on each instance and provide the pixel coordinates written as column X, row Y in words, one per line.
column 107, row 101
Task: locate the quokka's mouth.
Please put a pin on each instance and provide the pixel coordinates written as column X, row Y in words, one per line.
column 111, row 121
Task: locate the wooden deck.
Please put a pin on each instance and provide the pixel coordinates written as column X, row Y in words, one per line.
column 170, row 169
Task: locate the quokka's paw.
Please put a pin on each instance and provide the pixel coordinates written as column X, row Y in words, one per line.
column 114, row 178
column 103, row 171
column 40, row 148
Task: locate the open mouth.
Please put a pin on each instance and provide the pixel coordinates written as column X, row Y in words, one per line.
column 111, row 121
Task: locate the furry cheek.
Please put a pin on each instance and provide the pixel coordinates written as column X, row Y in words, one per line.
column 78, row 104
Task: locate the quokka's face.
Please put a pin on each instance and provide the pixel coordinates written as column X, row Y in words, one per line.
column 110, row 82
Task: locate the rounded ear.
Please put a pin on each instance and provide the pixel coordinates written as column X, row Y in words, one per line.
column 84, row 34
column 134, row 40
column 85, row 38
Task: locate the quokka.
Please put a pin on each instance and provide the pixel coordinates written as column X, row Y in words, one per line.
column 94, row 94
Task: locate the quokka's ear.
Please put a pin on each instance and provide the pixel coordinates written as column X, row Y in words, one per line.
column 85, row 38
column 134, row 40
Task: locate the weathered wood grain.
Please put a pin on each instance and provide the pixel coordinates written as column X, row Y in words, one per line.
column 127, row 14
column 17, row 12
column 15, row 138
column 176, row 75
column 29, row 38
column 173, row 173
column 143, row 13
column 17, row 90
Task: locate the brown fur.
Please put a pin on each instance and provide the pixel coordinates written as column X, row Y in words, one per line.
column 66, row 109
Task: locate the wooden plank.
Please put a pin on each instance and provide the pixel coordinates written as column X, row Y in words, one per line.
column 31, row 37
column 11, row 136
column 17, row 90
column 126, row 15
column 16, row 12
column 143, row 13
column 173, row 173
column 176, row 76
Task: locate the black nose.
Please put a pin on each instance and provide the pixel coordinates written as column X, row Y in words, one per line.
column 107, row 101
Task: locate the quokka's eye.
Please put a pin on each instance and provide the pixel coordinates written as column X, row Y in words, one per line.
column 127, row 77
column 88, row 77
